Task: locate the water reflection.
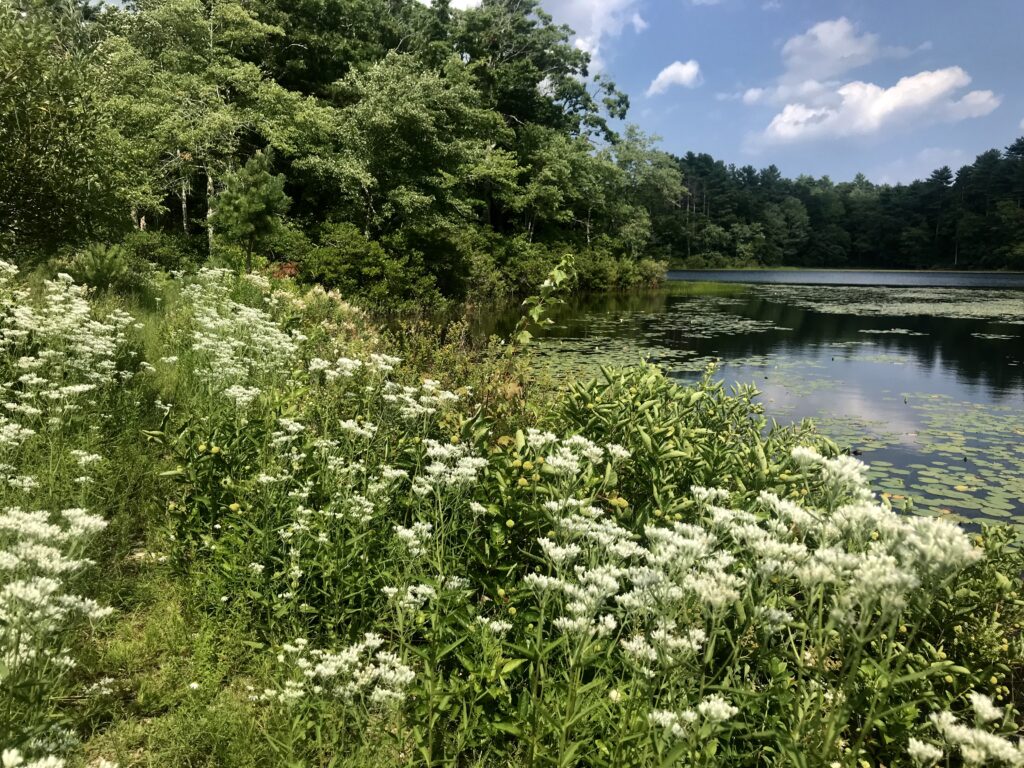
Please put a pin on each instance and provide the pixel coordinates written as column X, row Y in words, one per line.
column 927, row 383
column 664, row 319
column 867, row 277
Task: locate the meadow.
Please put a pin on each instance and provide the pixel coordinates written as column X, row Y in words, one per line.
column 242, row 524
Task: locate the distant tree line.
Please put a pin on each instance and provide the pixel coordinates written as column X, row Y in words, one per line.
column 746, row 217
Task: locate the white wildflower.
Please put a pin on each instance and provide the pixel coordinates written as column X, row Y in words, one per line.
column 984, row 710
column 716, row 709
column 922, row 753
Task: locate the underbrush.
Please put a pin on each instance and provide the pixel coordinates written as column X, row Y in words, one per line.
column 327, row 545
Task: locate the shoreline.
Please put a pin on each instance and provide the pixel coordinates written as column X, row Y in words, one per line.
column 922, row 271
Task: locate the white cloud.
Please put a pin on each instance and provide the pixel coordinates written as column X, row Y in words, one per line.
column 771, row 5
column 705, row 2
column 462, row 5
column 1022, row 124
column 813, row 61
column 828, row 49
column 595, row 22
column 814, row 101
column 686, row 74
column 809, row 90
column 866, row 108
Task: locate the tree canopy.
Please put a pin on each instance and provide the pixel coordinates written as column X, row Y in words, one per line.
column 464, row 152
column 971, row 218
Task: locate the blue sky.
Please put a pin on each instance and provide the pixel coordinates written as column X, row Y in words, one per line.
column 893, row 89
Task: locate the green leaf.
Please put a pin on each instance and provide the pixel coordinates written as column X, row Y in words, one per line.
column 510, row 728
column 512, row 665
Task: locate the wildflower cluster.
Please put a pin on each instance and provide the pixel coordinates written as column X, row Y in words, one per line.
column 449, row 466
column 56, row 356
column 363, row 671
column 60, row 365
column 231, row 342
column 819, row 578
column 415, row 403
column 976, row 745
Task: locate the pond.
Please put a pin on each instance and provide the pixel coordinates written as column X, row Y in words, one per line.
column 921, row 374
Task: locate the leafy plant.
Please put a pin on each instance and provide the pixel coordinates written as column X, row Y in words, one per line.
column 108, row 268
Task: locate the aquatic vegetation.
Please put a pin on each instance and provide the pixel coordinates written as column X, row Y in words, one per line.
column 1006, row 306
column 917, row 444
column 995, row 336
column 891, row 332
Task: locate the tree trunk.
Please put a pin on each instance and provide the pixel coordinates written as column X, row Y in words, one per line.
column 209, row 212
column 184, row 206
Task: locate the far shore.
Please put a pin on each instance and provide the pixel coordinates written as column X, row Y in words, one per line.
column 921, row 270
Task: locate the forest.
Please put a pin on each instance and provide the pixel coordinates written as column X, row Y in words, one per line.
column 970, row 219
column 410, row 155
column 391, row 150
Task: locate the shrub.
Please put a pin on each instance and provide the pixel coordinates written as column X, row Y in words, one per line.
column 165, row 251
column 526, row 263
column 346, row 261
column 109, row 268
column 598, row 270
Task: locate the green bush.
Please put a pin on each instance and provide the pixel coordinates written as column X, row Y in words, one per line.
column 110, row 268
column 288, row 243
column 526, row 263
column 166, row 251
column 601, row 270
column 598, row 270
column 346, row 261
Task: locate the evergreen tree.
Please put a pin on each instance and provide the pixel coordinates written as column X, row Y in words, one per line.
column 251, row 206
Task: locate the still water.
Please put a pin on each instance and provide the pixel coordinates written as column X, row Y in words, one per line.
column 922, row 374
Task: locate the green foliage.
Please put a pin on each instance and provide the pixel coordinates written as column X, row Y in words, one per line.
column 249, row 209
column 168, row 251
column 110, row 268
column 61, row 168
column 742, row 217
column 475, row 158
column 536, row 308
column 347, row 261
column 680, row 438
column 471, row 158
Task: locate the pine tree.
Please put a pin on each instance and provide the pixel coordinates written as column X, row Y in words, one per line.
column 251, row 205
